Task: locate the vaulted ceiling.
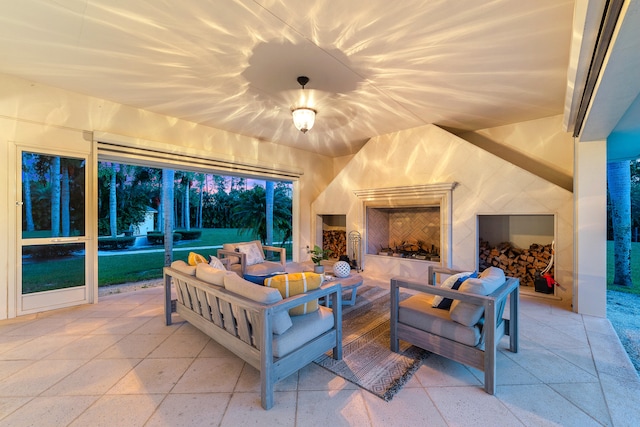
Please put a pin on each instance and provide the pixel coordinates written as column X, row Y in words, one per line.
column 374, row 66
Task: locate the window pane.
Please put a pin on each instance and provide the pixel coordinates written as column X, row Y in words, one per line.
column 53, row 190
column 50, row 267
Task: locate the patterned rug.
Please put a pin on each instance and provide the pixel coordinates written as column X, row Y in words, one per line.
column 367, row 360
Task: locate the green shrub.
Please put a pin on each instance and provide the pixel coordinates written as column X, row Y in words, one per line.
column 157, row 237
column 52, row 251
column 189, row 234
column 108, row 243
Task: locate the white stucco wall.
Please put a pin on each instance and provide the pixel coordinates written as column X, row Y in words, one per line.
column 543, row 140
column 486, row 184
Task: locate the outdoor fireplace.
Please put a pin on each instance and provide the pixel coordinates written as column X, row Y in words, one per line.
column 410, row 224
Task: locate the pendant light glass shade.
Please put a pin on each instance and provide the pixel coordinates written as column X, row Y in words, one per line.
column 303, row 118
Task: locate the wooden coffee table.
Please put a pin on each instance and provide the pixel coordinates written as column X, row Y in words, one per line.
column 349, row 283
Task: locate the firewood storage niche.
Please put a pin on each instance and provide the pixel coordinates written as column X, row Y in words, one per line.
column 520, row 244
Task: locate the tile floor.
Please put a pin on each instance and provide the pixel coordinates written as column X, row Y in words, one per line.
column 116, row 364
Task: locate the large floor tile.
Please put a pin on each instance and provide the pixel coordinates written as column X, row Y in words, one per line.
column 332, row 408
column 471, row 406
column 49, row 411
column 85, row 347
column 121, row 411
column 210, row 376
column 588, row 397
column 38, row 347
column 244, row 410
column 93, row 378
column 190, row 410
column 314, row 377
column 539, row 405
column 439, row 371
column 37, row 377
column 133, row 347
column 181, row 345
column 152, row 376
column 407, row 408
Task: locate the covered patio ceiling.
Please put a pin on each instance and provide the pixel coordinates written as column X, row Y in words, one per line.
column 374, row 67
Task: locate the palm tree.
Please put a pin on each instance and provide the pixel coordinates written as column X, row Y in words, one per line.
column 619, row 186
column 27, row 159
column 55, row 197
column 113, row 201
column 269, row 194
column 250, row 212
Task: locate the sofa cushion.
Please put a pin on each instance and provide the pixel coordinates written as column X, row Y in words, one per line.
column 183, row 267
column 253, row 253
column 452, row 282
column 304, row 329
column 294, row 284
column 211, row 275
column 418, row 312
column 469, row 314
column 237, row 285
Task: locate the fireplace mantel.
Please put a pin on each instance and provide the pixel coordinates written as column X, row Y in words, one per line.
column 406, row 191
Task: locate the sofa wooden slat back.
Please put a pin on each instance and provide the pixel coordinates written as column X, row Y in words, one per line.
column 481, row 356
column 244, row 326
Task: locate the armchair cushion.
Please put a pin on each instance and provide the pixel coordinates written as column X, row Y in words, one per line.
column 236, row 284
column 294, row 284
column 254, row 254
column 469, row 314
column 418, row 312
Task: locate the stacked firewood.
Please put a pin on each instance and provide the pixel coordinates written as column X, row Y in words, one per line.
column 516, row 262
column 336, row 241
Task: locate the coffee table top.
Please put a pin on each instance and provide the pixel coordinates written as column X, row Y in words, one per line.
column 349, row 282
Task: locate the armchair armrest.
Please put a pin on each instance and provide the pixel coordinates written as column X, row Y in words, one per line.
column 400, row 282
column 282, row 251
column 433, row 271
column 225, row 255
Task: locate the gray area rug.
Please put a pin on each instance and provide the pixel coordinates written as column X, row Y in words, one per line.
column 367, row 360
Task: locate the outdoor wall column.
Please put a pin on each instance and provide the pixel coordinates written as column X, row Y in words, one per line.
column 590, row 228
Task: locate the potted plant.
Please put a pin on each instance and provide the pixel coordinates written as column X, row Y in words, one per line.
column 317, row 255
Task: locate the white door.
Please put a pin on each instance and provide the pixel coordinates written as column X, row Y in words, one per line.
column 55, row 257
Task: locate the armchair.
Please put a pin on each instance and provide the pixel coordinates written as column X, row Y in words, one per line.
column 470, row 330
column 251, row 258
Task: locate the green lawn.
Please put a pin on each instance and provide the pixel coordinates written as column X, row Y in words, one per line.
column 635, row 269
column 123, row 266
column 136, row 264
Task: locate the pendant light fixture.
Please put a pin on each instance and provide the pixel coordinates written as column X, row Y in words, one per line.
column 303, row 117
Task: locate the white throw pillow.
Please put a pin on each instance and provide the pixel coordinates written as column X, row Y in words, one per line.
column 254, row 254
column 448, row 283
column 216, row 263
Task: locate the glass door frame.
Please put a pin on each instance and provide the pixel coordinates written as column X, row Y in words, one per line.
column 66, row 297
